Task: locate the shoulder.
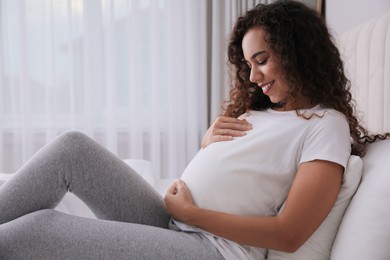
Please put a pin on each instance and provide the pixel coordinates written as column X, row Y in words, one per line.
column 328, row 118
column 328, row 124
column 328, row 137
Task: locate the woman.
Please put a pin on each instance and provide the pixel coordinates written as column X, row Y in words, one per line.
column 286, row 133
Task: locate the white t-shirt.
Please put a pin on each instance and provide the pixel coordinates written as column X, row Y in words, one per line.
column 252, row 175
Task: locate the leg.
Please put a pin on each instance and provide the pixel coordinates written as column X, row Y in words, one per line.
column 49, row 234
column 73, row 162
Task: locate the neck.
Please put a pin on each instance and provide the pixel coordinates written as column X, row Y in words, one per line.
column 280, row 106
column 283, row 105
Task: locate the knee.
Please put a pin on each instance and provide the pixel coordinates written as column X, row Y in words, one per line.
column 71, row 144
column 74, row 139
column 73, row 136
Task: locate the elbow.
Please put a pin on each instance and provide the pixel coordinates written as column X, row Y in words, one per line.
column 291, row 247
column 289, row 236
column 291, row 243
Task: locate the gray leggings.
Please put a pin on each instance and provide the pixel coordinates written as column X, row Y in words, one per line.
column 132, row 220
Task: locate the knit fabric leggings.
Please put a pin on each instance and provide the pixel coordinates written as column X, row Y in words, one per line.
column 132, row 220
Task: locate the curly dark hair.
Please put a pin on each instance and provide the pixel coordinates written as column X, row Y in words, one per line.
column 310, row 61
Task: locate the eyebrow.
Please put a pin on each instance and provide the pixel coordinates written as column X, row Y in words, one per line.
column 257, row 54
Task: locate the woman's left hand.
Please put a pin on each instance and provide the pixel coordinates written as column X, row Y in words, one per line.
column 178, row 201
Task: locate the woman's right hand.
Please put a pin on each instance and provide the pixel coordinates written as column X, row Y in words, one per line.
column 224, row 129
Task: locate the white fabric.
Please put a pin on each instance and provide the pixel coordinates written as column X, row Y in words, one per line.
column 143, row 168
column 365, row 230
column 366, row 54
column 319, row 245
column 252, row 175
column 130, row 74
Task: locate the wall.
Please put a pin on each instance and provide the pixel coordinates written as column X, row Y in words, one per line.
column 346, row 14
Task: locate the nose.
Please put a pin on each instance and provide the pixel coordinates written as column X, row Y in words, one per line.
column 256, row 75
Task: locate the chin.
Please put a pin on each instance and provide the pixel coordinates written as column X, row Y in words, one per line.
column 275, row 100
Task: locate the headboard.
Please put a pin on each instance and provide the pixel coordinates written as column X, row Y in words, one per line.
column 366, row 54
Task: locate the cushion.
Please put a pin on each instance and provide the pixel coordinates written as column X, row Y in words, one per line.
column 319, row 245
column 365, row 230
column 143, row 168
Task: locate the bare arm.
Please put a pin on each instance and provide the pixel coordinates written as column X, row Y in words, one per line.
column 224, row 129
column 309, row 201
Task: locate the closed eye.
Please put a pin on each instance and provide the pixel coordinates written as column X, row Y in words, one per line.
column 262, row 62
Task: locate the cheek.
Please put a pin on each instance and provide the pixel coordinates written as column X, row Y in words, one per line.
column 282, row 81
column 273, row 70
column 286, row 89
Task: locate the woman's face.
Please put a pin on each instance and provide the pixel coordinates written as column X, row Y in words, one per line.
column 265, row 67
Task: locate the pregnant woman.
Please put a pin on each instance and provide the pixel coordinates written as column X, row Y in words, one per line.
column 286, row 134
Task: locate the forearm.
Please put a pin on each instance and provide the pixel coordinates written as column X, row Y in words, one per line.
column 265, row 232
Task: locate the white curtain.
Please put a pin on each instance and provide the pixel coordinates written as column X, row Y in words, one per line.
column 222, row 15
column 144, row 78
column 132, row 74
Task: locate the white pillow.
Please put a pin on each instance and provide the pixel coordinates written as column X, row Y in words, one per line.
column 365, row 230
column 319, row 245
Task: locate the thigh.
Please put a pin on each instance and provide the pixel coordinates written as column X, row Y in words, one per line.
column 74, row 162
column 112, row 189
column 49, row 234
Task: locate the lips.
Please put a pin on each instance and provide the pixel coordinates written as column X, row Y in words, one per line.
column 266, row 86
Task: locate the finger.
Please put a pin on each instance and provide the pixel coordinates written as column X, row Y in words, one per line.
column 221, row 138
column 228, row 132
column 234, row 126
column 225, row 119
column 173, row 188
column 180, row 184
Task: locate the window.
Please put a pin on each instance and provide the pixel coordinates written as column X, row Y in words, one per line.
column 129, row 73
